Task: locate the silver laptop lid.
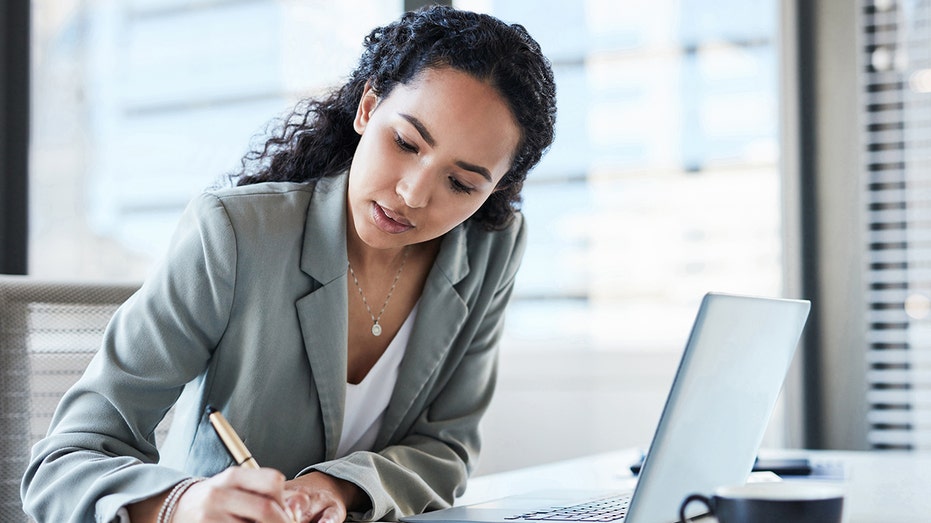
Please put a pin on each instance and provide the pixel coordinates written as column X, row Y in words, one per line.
column 718, row 408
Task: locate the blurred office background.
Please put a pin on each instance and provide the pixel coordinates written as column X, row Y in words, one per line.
column 752, row 146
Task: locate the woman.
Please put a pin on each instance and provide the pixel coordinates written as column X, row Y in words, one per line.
column 341, row 306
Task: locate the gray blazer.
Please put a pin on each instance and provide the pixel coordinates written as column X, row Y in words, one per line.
column 248, row 313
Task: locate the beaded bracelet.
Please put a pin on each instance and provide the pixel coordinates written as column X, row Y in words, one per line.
column 171, row 502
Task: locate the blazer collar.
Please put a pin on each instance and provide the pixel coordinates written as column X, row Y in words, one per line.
column 322, row 312
column 453, row 259
column 324, row 251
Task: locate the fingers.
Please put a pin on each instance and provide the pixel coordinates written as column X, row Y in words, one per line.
column 316, row 506
column 246, row 506
column 267, row 482
column 234, row 495
column 332, row 514
column 328, row 498
column 294, row 502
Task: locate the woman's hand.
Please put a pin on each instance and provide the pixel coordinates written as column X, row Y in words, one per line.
column 253, row 495
column 327, row 499
column 236, row 494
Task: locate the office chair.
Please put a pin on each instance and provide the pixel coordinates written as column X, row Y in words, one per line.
column 48, row 333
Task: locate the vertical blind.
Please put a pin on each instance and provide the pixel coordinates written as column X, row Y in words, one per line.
column 895, row 87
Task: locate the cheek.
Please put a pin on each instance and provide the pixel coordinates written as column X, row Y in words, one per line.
column 377, row 155
column 458, row 211
column 368, row 163
column 365, row 150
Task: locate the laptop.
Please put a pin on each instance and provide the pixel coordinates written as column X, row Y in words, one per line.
column 724, row 392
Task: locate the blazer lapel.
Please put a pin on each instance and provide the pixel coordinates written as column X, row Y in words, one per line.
column 323, row 312
column 440, row 317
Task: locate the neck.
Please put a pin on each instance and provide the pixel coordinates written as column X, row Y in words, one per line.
column 362, row 256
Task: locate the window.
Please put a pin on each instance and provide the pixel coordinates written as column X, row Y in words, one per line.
column 896, row 102
column 663, row 182
column 139, row 105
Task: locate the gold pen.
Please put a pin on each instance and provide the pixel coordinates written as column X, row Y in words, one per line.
column 236, row 447
column 231, row 440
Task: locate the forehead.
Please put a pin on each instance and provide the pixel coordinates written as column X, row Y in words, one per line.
column 461, row 112
column 454, row 92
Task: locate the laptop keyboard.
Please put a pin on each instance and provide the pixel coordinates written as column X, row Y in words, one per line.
column 605, row 509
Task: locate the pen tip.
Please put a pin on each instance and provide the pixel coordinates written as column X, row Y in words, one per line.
column 210, row 410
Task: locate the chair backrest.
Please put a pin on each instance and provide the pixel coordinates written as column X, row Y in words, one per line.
column 48, row 333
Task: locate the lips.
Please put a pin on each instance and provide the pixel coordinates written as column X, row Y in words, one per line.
column 389, row 221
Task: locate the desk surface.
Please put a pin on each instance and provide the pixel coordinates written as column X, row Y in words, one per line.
column 890, row 487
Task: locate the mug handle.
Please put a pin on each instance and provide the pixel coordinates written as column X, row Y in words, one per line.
column 688, row 501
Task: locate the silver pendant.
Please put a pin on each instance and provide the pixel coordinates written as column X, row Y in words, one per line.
column 376, row 329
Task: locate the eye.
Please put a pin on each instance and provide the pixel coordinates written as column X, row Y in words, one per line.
column 458, row 186
column 403, row 145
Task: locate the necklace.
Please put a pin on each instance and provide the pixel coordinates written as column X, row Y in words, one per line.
column 376, row 327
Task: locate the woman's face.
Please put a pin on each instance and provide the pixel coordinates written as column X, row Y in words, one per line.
column 430, row 154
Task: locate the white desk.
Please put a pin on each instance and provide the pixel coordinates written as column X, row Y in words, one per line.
column 893, row 487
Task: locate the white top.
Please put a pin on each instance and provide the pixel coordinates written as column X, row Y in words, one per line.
column 367, row 401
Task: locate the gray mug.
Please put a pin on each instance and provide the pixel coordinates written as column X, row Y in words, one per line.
column 772, row 502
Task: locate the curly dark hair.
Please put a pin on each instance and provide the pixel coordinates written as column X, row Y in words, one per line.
column 317, row 138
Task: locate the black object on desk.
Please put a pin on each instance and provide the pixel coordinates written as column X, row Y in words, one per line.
column 779, row 466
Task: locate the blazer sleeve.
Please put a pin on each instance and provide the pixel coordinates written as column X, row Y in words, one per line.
column 428, row 468
column 100, row 454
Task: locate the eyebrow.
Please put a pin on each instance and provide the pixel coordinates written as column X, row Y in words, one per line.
column 427, row 137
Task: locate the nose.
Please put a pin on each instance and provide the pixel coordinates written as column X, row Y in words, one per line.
column 414, row 188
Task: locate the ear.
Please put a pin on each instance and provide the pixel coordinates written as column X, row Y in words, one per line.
column 367, row 104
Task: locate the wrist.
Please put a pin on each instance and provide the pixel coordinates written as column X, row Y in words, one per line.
column 160, row 507
column 354, row 497
column 146, row 510
column 167, row 510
